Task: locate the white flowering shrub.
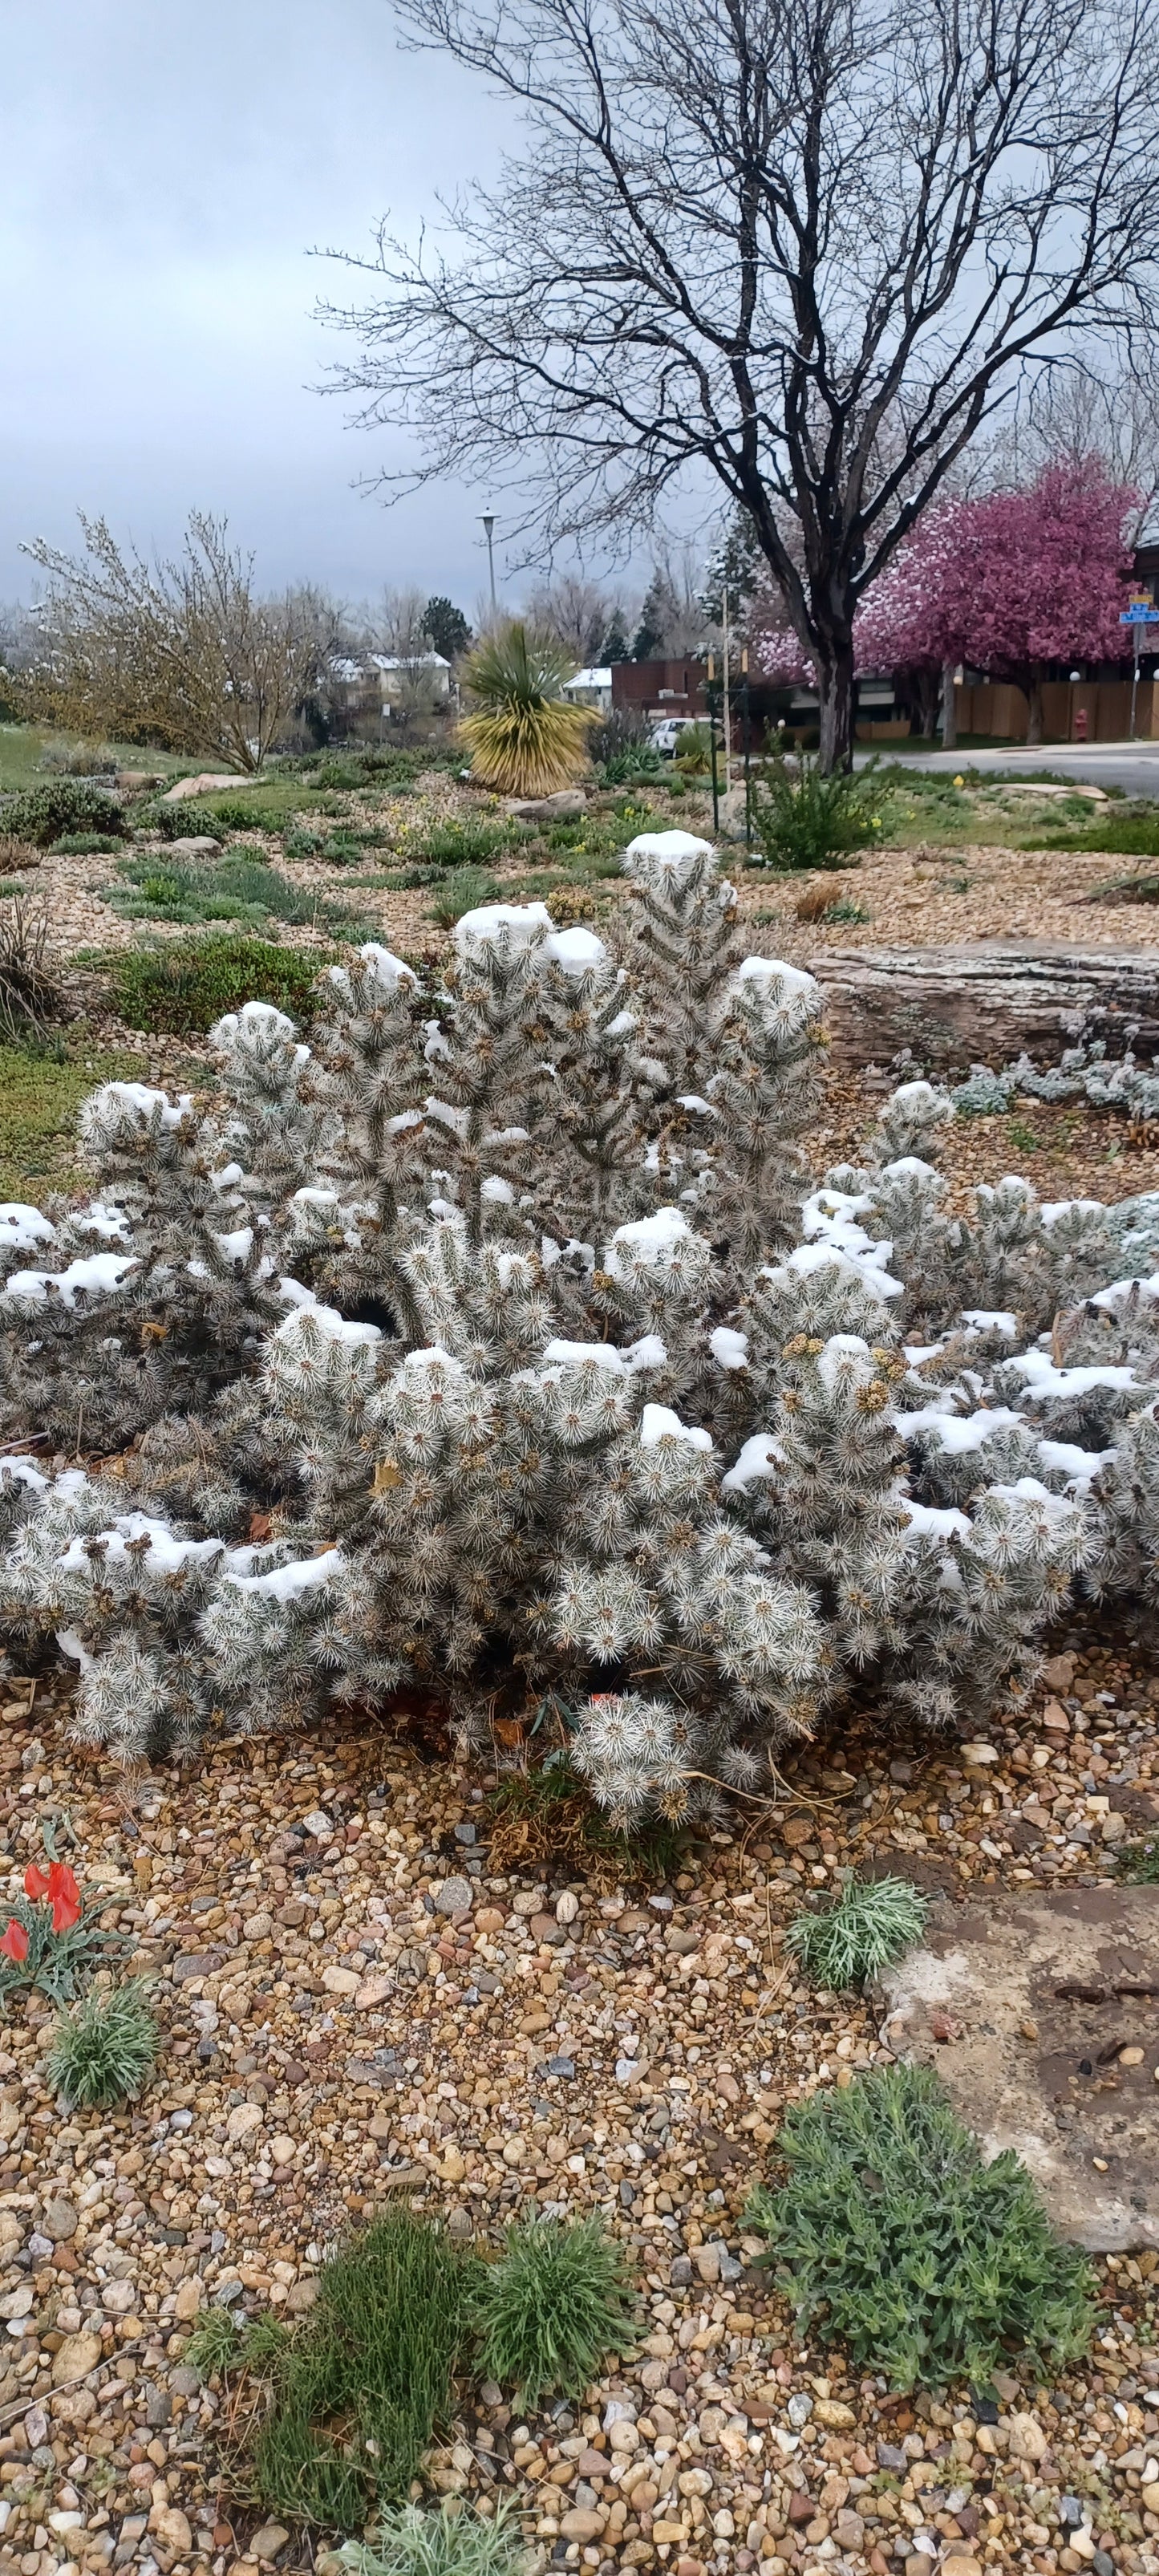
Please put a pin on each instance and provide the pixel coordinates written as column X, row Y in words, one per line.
column 496, row 1343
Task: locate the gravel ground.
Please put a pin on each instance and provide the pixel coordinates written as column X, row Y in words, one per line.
column 355, row 2003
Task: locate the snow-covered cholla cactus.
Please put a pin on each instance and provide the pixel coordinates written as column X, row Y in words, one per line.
column 495, row 1341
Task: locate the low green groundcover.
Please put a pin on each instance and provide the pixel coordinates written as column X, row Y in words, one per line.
column 891, row 2236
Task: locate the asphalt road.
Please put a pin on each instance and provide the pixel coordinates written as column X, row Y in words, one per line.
column 1133, row 766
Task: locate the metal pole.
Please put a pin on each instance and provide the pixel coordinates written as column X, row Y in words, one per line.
column 711, row 694
column 1134, row 679
column 744, row 703
column 727, row 707
column 488, row 519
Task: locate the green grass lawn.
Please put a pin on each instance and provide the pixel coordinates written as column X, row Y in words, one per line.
column 39, row 1101
column 22, row 746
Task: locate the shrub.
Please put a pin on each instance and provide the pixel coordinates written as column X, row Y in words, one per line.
column 79, row 760
column 67, row 805
column 411, row 2540
column 105, row 2049
column 524, row 738
column 1135, row 837
column 31, row 994
column 237, row 887
column 1139, row 1864
column 376, row 2359
column 856, row 1936
column 461, row 844
column 188, row 985
column 693, row 758
column 893, row 2238
column 810, row 821
column 558, row 2300
column 511, row 1295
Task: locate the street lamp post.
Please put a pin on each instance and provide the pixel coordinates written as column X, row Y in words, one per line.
column 488, row 519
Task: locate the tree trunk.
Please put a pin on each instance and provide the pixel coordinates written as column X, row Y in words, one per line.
column 949, row 709
column 1034, row 703
column 836, row 687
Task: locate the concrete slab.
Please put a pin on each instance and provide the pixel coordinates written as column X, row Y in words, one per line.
column 1041, row 2014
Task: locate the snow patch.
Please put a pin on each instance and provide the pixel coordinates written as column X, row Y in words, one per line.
column 658, row 1423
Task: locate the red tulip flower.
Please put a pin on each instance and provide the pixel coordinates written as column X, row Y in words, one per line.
column 15, row 1942
column 65, row 1895
column 35, row 1882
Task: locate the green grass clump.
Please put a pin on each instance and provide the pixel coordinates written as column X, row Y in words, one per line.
column 234, row 888
column 357, row 2392
column 62, row 805
column 84, row 845
column 852, row 1939
column 186, row 986
column 1139, row 1864
column 893, row 2238
column 460, row 845
column 413, row 2541
column 215, row 2342
column 809, row 821
column 558, row 2300
column 462, row 892
column 105, row 2049
column 1136, row 837
column 40, row 1097
column 548, row 1814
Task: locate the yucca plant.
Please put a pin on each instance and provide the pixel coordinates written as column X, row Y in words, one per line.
column 525, row 739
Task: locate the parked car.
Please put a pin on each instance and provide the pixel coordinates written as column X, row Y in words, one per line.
column 666, row 734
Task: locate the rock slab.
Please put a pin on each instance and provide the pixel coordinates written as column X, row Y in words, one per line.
column 1040, row 2012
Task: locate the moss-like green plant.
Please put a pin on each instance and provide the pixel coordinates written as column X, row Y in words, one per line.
column 1139, row 1864
column 64, row 805
column 189, row 984
column 852, row 1939
column 357, row 2392
column 558, row 2300
column 892, row 2237
column 525, row 739
column 416, row 2542
column 462, row 892
column 214, row 2342
column 105, row 2049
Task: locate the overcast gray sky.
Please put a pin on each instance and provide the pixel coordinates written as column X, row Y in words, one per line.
column 165, row 167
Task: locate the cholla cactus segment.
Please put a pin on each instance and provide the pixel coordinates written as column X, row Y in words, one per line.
column 494, row 1342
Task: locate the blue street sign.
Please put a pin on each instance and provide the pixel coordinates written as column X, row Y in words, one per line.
column 1140, row 613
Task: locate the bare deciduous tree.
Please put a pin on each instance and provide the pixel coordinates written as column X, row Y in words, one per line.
column 575, row 612
column 182, row 653
column 805, row 246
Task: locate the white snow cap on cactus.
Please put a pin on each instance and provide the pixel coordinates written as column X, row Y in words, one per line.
column 845, row 1356
column 21, row 1227
column 164, row 1554
column 651, row 1239
column 417, row 1363
column 1080, row 1466
column 132, row 1099
column 499, row 1194
column 1043, row 1378
column 327, row 1321
column 284, row 1582
column 584, row 1355
column 576, row 950
column 959, row 1433
column 385, row 967
column 919, row 1095
column 21, row 1471
column 729, row 1349
column 95, row 1276
column 792, row 979
column 760, row 1456
column 666, row 849
column 509, row 925
column 658, row 1423
column 927, row 1522
column 254, row 1020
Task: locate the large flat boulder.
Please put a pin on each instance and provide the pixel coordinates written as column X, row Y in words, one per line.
column 1040, row 2013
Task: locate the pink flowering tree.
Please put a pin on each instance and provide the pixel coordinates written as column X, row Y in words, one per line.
column 1012, row 583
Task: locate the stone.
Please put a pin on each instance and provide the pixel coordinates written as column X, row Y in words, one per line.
column 567, row 1906
column 267, row 2542
column 171, row 2527
column 707, row 2261
column 834, row 2415
column 75, row 2357
column 319, row 1824
column 244, row 2118
column 1150, row 2496
column 453, row 2165
column 566, row 800
column 799, row 2409
column 801, row 2507
column 1058, row 1960
column 119, row 2297
column 283, row 2148
column 341, row 1981
column 582, row 2524
column 60, row 2221
column 300, row 2296
column 373, row 1991
column 956, row 2565
column 204, row 781
column 453, row 1897
column 849, row 2529
column 1055, row 1719
column 194, row 845
column 682, row 1939
column 1027, row 2439
column 187, row 2302
column 1058, row 1672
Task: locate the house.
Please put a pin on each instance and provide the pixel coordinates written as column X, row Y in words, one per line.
column 592, row 688
column 381, row 684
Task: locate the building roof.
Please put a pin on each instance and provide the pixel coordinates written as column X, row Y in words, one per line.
column 600, row 678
